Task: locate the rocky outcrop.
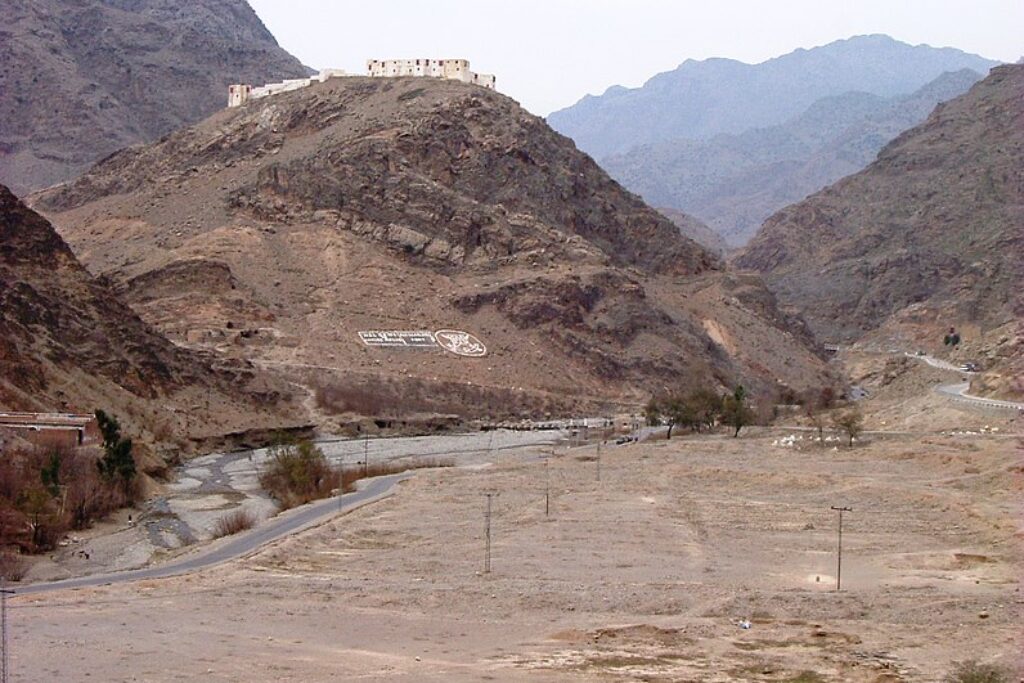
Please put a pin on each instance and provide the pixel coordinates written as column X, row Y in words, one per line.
column 67, row 342
column 377, row 204
column 84, row 79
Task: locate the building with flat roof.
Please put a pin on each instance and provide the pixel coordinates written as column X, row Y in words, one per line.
column 449, row 69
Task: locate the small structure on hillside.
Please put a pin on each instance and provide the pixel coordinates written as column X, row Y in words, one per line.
column 449, row 69
column 240, row 93
column 50, row 429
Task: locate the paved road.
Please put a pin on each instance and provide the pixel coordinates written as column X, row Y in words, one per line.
column 938, row 363
column 236, row 546
column 958, row 392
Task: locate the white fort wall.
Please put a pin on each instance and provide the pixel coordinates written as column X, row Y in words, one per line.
column 450, row 69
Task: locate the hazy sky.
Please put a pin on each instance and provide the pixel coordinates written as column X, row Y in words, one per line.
column 549, row 53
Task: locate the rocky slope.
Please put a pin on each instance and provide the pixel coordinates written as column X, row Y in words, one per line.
column 695, row 230
column 280, row 230
column 82, row 79
column 929, row 235
column 735, row 182
column 700, row 99
column 68, row 343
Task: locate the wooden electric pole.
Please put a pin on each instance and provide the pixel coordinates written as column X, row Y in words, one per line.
column 839, row 554
column 5, row 658
column 366, row 455
column 547, row 487
column 487, row 532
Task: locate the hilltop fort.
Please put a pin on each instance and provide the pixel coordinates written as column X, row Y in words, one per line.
column 450, row 69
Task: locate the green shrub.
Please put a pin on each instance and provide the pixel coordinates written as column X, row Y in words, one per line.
column 298, row 473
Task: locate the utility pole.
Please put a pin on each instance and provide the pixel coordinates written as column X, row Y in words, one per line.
column 839, row 554
column 598, row 461
column 5, row 659
column 487, row 532
column 547, row 486
column 366, row 455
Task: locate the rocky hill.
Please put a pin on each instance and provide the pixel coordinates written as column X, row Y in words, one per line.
column 280, row 230
column 734, row 182
column 68, row 343
column 700, row 99
column 83, row 79
column 927, row 236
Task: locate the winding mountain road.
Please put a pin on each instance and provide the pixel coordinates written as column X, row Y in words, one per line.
column 237, row 546
column 958, row 390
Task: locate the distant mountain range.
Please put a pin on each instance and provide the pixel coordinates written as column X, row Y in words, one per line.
column 79, row 80
column 700, row 99
column 734, row 182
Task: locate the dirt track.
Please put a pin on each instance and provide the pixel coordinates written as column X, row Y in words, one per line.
column 641, row 576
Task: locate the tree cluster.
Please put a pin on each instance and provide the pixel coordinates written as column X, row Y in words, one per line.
column 117, row 465
column 700, row 409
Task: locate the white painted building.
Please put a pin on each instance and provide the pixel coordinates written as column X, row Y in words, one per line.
column 450, row 69
column 240, row 93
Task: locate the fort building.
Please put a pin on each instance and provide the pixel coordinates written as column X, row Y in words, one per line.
column 450, row 69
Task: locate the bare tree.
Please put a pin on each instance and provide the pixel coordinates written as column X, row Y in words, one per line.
column 814, row 411
column 851, row 422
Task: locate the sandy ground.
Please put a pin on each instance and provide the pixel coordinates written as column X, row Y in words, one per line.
column 643, row 575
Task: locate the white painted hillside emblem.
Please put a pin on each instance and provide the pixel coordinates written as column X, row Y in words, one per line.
column 399, row 339
column 460, row 343
column 453, row 341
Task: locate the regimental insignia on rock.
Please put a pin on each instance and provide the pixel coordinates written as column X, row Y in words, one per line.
column 402, row 339
column 460, row 343
column 454, row 341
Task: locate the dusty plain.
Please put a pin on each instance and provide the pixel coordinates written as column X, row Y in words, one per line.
column 642, row 575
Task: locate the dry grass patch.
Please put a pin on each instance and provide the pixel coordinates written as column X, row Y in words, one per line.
column 299, row 473
column 13, row 566
column 234, row 522
column 350, row 475
column 973, row 672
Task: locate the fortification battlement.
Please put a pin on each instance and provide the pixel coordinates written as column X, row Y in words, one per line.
column 451, row 69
